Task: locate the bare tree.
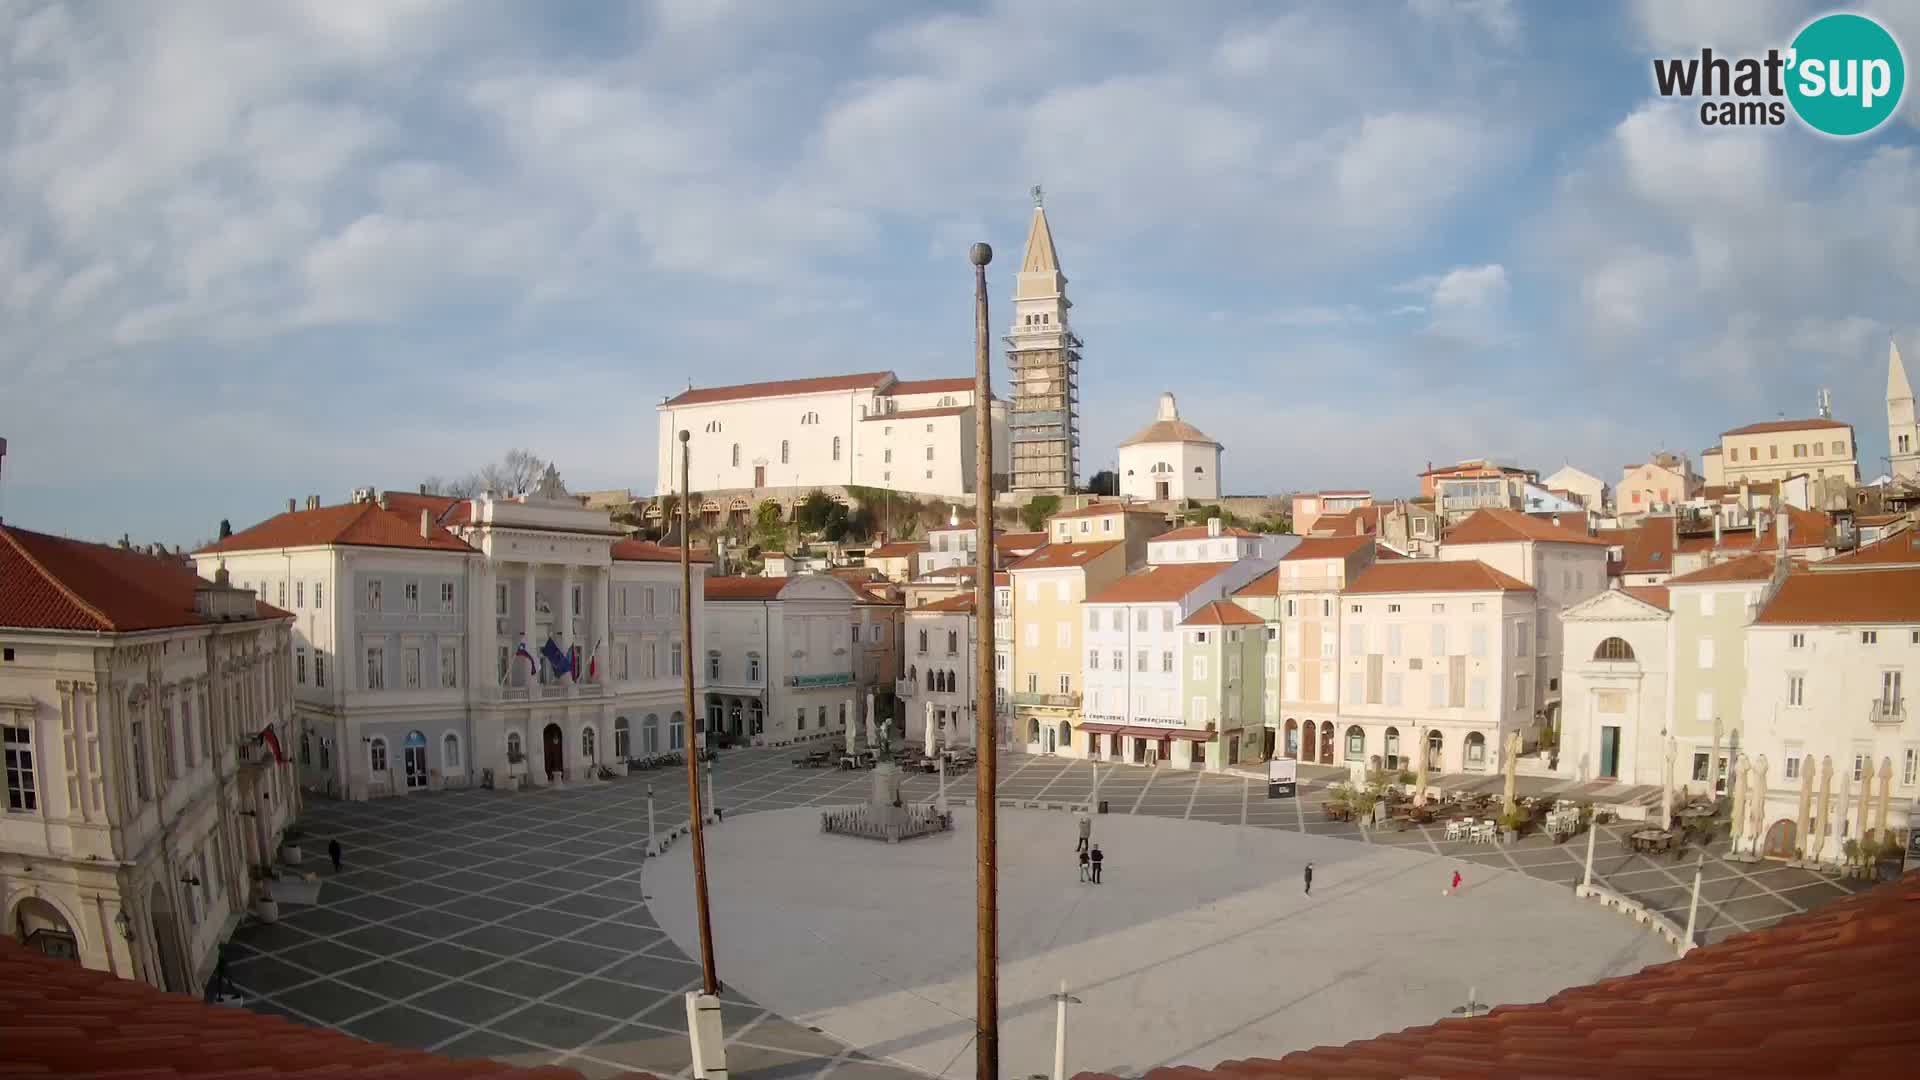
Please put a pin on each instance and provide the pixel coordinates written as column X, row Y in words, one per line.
column 518, row 471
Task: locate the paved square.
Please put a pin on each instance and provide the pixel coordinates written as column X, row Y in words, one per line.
column 472, row 908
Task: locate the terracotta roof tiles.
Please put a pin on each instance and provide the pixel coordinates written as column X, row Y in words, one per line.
column 1060, row 556
column 1018, row 542
column 1159, row 583
column 1222, row 613
column 1752, row 567
column 932, row 386
column 1511, row 526
column 1812, row 599
column 866, row 380
column 1109, row 506
column 1769, row 426
column 920, row 414
column 53, row 583
column 1650, row 594
column 1434, row 575
column 960, row 602
column 899, row 549
column 1267, row 584
column 349, row 525
column 648, row 551
column 1326, row 547
column 744, row 588
column 1900, row 549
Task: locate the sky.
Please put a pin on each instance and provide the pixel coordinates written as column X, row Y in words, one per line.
column 252, row 251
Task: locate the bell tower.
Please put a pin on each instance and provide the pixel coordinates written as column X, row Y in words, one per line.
column 1043, row 426
column 1903, row 435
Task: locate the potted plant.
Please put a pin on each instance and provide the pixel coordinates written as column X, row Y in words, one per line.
column 265, row 907
column 290, row 852
column 1511, row 823
column 1889, row 858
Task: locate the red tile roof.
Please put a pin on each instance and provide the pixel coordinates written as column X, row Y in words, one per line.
column 1806, row 529
column 745, row 588
column 779, row 388
column 1222, row 613
column 920, row 414
column 1058, row 556
column 1434, row 575
column 1809, row 599
column 1647, row 549
column 349, row 525
column 1650, row 594
column 60, row 1019
column 1267, row 584
column 1018, row 543
column 412, row 502
column 1477, row 465
column 1511, row 526
column 1768, row 426
column 1159, row 583
column 1900, row 549
column 1751, row 567
column 52, row 583
column 959, row 602
column 648, row 551
column 932, row 386
column 1199, row 532
column 1326, row 547
column 899, row 549
column 1822, row 994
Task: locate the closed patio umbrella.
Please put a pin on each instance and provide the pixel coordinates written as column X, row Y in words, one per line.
column 1840, row 812
column 1513, row 758
column 1823, row 822
column 1737, row 822
column 1420, row 779
column 1804, row 838
column 926, row 746
column 1757, row 801
column 852, row 728
column 1886, row 786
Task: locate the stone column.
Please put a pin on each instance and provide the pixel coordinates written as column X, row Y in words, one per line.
column 1803, row 839
column 1820, row 816
column 602, row 608
column 526, row 627
column 482, row 621
column 563, row 611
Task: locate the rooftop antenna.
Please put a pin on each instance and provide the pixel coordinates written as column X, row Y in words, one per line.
column 1037, row 197
column 1825, row 400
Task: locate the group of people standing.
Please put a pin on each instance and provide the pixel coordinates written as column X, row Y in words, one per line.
column 1091, row 857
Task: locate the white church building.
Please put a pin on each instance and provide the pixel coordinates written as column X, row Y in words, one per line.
column 1170, row 459
column 871, row 429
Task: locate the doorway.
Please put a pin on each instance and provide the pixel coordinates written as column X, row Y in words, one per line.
column 759, row 476
column 1160, row 490
column 414, row 753
column 554, row 746
column 166, row 941
column 1050, row 734
column 1610, row 751
column 1780, row 838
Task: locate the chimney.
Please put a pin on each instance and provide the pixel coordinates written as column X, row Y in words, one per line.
column 125, row 542
column 1213, row 526
column 423, row 489
column 426, row 526
column 383, row 500
column 1716, row 530
column 3, row 457
column 313, row 502
column 290, row 506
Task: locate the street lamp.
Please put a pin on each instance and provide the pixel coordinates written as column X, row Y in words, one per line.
column 123, row 924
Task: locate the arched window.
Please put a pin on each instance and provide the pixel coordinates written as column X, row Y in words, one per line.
column 930, row 680
column 676, row 731
column 650, row 734
column 836, row 448
column 1033, row 730
column 713, row 426
column 1356, row 743
column 784, row 446
column 913, row 674
column 1613, row 649
column 621, row 739
column 736, row 455
column 513, row 746
column 1066, row 735
column 586, row 743
column 450, row 752
column 377, row 754
column 1477, row 749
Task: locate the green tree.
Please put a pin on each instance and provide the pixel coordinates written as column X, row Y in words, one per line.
column 1034, row 515
column 837, row 523
column 767, row 522
column 812, row 513
column 1104, row 482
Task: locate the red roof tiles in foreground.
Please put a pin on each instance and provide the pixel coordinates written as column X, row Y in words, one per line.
column 1267, row 584
column 1434, row 575
column 1509, row 526
column 349, row 525
column 60, row 1019
column 52, row 583
column 1824, row 994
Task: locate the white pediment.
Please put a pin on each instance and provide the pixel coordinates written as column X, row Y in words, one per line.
column 1614, row 606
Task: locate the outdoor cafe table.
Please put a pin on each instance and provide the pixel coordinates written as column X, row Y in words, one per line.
column 1651, row 840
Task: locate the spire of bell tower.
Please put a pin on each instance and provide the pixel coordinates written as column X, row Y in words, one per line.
column 1043, row 425
column 1903, row 433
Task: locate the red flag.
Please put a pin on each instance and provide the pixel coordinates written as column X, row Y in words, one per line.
column 273, row 743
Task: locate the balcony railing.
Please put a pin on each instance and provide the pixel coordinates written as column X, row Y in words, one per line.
column 1051, row 701
column 1887, row 710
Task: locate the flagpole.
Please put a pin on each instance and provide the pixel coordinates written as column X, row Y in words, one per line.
column 695, row 812
column 987, row 881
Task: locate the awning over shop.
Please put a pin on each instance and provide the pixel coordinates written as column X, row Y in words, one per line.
column 1152, row 732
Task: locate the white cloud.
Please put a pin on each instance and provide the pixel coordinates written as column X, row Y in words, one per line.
column 1728, row 27
column 1466, row 306
column 1496, row 17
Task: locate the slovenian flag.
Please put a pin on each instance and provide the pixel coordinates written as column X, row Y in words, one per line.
column 593, row 663
column 557, row 659
column 533, row 666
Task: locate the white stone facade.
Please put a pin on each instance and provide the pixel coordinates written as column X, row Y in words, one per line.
column 1617, row 681
column 1169, row 459
column 941, row 659
column 777, row 662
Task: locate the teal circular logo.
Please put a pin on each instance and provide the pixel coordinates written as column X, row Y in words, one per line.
column 1845, row 74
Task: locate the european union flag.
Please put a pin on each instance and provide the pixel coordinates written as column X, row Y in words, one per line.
column 557, row 659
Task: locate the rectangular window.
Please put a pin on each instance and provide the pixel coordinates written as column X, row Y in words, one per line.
column 1796, row 691
column 1166, row 661
column 500, row 599
column 373, row 595
column 136, row 736
column 1796, row 640
column 1033, row 682
column 673, row 660
column 1703, row 707
column 1476, row 693
column 713, row 667
column 1093, row 659
column 446, row 596
column 1522, row 631
column 1910, row 766
column 1793, row 764
column 376, row 668
column 1479, row 641
column 411, row 592
column 282, row 602
column 1356, row 687
column 300, row 665
column 1439, row 639
column 1375, row 669
column 1066, row 683
column 673, row 600
column 1393, row 640
column 319, row 668
column 577, row 600
column 1706, row 653
column 410, row 668
column 500, row 664
column 1199, row 667
column 23, row 793
column 319, row 594
column 1393, row 688
column 1869, row 637
column 1198, row 710
column 449, row 667
column 299, row 594
column 1119, row 660
column 1063, row 634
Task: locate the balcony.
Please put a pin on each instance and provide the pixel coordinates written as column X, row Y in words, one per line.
column 1889, row 711
column 252, row 753
column 1047, row 701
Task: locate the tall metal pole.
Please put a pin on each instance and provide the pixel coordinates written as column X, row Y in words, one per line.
column 987, row 897
column 694, row 810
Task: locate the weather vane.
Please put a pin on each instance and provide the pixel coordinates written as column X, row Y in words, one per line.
column 1036, row 195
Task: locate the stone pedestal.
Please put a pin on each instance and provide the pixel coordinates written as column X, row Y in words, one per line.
column 709, row 1041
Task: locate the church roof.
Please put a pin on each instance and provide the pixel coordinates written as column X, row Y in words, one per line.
column 1041, row 258
column 1167, row 427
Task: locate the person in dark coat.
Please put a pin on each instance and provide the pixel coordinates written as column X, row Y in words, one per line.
column 1309, row 877
column 333, row 852
column 1086, row 868
column 1096, row 858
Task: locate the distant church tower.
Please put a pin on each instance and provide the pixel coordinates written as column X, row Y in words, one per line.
column 1044, row 425
column 1903, row 436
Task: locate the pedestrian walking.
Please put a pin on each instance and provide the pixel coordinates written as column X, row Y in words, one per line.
column 333, row 852
column 1456, row 883
column 1309, row 877
column 1096, row 858
column 1085, row 867
column 1086, row 831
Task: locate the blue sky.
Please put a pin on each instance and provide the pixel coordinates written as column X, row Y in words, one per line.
column 255, row 251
